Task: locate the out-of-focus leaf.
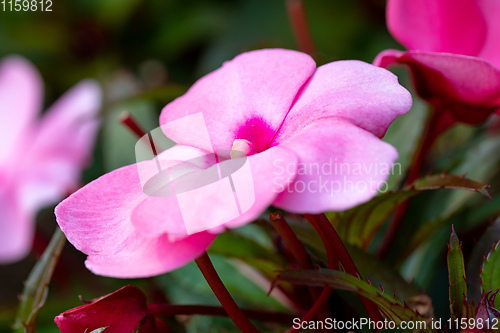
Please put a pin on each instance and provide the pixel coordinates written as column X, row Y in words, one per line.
column 186, row 285
column 450, row 182
column 359, row 225
column 236, row 246
column 186, row 26
column 469, row 310
column 369, row 266
column 160, row 95
column 479, row 252
column 405, row 132
column 490, row 273
column 37, row 286
column 115, row 12
column 456, row 276
column 467, row 217
column 480, row 162
column 391, row 307
column 118, row 141
column 422, row 234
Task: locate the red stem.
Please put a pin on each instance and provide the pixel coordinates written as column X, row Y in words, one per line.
column 225, row 299
column 321, row 223
column 318, row 305
column 291, row 241
column 129, row 121
column 209, row 310
column 438, row 123
column 298, row 20
column 303, row 259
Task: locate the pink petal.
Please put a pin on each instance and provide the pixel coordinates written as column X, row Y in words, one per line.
column 21, row 90
column 491, row 48
column 355, row 91
column 62, row 146
column 146, row 257
column 247, row 98
column 340, row 166
column 213, row 205
column 16, row 234
column 439, row 26
column 97, row 221
column 469, row 87
column 69, row 127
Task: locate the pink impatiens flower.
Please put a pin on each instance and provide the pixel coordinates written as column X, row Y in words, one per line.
column 298, row 125
column 454, row 53
column 40, row 158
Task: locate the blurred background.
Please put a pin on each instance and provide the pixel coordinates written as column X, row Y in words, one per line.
column 146, row 53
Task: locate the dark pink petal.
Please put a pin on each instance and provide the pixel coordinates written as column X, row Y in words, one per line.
column 97, row 221
column 491, row 48
column 21, row 90
column 438, row 26
column 365, row 95
column 212, row 205
column 247, row 98
column 469, row 87
column 486, row 309
column 340, row 166
column 122, row 311
column 61, row 146
column 16, row 229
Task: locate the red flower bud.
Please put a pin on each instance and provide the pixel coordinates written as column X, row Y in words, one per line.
column 124, row 311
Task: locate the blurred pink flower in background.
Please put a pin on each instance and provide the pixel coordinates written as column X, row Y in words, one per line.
column 41, row 156
column 282, row 112
column 454, row 53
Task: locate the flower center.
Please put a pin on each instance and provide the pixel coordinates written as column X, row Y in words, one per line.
column 242, row 147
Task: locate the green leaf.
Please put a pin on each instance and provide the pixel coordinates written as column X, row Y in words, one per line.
column 490, row 273
column 481, row 249
column 469, row 310
column 232, row 245
column 390, row 306
column 37, row 286
column 187, row 285
column 119, row 142
column 450, row 182
column 456, row 277
column 359, row 225
column 377, row 271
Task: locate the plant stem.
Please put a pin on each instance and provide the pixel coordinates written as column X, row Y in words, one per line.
column 291, row 241
column 438, row 123
column 129, row 121
column 329, row 236
column 316, row 308
column 207, row 269
column 299, row 253
column 298, row 21
column 209, row 310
